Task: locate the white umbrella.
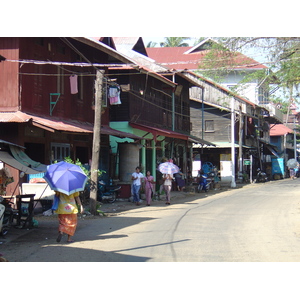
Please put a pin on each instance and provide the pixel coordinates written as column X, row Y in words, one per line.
column 292, row 163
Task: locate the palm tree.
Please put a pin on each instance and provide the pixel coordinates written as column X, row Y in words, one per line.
column 175, row 42
column 198, row 40
column 151, row 44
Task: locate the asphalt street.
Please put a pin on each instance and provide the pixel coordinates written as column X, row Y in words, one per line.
column 256, row 223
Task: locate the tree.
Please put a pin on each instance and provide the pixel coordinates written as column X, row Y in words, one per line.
column 175, row 42
column 282, row 56
column 151, row 44
column 198, row 40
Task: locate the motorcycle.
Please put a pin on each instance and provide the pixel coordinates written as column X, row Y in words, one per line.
column 108, row 193
column 261, row 176
column 7, row 215
column 205, row 180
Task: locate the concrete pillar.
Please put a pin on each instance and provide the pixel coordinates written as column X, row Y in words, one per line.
column 129, row 159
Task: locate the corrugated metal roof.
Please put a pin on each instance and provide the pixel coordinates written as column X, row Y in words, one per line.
column 45, row 123
column 54, row 124
column 179, row 58
column 125, row 45
column 279, row 129
column 169, row 133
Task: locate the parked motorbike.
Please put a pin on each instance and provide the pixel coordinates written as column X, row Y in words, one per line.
column 205, row 181
column 108, row 193
column 261, row 176
column 7, row 215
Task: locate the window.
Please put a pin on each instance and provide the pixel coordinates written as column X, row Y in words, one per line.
column 209, row 126
column 59, row 151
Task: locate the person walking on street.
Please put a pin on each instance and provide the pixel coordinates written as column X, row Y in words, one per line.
column 67, row 214
column 149, row 185
column 167, row 178
column 292, row 173
column 136, row 185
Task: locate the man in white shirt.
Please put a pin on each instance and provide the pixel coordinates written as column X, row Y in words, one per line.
column 136, row 185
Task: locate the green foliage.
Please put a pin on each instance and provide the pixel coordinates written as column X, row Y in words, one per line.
column 175, row 42
column 151, row 44
column 280, row 103
column 84, row 169
column 281, row 56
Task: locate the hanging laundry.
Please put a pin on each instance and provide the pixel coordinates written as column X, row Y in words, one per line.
column 114, row 95
column 74, row 84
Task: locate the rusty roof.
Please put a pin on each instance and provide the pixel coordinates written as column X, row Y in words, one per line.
column 181, row 58
column 55, row 124
column 279, row 129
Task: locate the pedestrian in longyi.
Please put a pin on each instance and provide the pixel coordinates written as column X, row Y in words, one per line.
column 67, row 214
column 149, row 187
column 167, row 186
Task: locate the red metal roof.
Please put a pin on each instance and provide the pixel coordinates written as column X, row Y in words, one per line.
column 55, row 124
column 178, row 58
column 158, row 131
column 45, row 123
column 279, row 129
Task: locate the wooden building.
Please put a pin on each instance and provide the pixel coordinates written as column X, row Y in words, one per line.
column 155, row 106
column 47, row 97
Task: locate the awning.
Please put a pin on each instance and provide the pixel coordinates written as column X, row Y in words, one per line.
column 157, row 132
column 52, row 125
column 272, row 150
column 228, row 145
column 105, row 129
column 197, row 140
column 270, row 147
column 23, row 158
column 55, row 124
column 10, row 144
column 6, row 158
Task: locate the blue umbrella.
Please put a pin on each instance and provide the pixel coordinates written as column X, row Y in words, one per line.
column 65, row 178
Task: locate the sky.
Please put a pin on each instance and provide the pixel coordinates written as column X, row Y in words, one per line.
column 157, row 40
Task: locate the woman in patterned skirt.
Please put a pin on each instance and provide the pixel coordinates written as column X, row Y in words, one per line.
column 67, row 214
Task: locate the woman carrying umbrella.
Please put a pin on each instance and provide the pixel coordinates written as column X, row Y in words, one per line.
column 67, row 180
column 67, row 214
column 167, row 178
column 168, row 169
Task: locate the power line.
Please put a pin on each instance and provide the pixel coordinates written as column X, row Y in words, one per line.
column 60, row 63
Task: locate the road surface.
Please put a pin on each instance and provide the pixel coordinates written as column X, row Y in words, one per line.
column 257, row 223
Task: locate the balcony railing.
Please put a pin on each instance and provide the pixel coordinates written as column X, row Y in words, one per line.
column 274, row 112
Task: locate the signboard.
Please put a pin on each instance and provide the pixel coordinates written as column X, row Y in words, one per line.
column 247, row 162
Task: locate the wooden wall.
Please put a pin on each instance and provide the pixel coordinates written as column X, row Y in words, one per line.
column 221, row 120
column 9, row 77
column 39, row 80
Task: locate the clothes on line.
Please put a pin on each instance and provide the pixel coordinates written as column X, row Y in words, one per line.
column 74, row 84
column 114, row 95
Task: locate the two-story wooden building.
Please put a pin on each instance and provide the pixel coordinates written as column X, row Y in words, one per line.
column 155, row 106
column 47, row 97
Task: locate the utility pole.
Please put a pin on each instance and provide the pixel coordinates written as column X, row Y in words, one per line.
column 233, row 183
column 241, row 134
column 96, row 141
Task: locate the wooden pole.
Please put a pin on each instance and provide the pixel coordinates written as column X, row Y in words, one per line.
column 96, row 142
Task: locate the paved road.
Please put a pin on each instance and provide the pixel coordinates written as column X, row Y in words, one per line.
column 258, row 223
